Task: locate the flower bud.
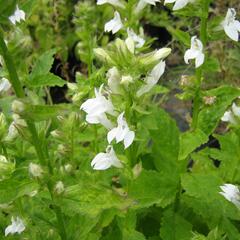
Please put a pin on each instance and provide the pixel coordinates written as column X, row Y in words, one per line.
column 126, row 80
column 56, row 133
column 130, row 44
column 102, row 55
column 114, row 79
column 35, row 170
column 155, row 56
column 137, row 169
column 6, row 167
column 18, row 106
column 59, row 187
column 5, row 85
column 209, row 100
column 68, row 168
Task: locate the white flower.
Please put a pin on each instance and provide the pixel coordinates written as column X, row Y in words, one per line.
column 228, row 117
column 231, row 25
column 178, row 3
column 17, row 226
column 103, row 161
column 121, row 132
column 231, row 193
column 137, row 39
column 96, row 109
column 17, row 16
column 142, row 4
column 195, row 52
column 114, row 79
column 236, row 110
column 35, row 170
column 152, row 78
column 232, row 114
column 114, row 24
column 115, row 3
column 5, row 85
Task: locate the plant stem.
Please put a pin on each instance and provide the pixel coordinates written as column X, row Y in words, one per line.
column 16, row 84
column 199, row 71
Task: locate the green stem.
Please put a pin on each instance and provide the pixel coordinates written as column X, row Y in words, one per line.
column 58, row 213
column 11, row 69
column 199, row 72
column 16, row 84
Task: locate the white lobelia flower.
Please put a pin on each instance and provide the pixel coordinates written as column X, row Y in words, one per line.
column 195, row 52
column 143, row 3
column 232, row 115
column 114, row 79
column 121, row 132
column 152, row 78
column 35, row 170
column 228, row 117
column 236, row 110
column 96, row 109
column 136, row 39
column 178, row 3
column 231, row 25
column 103, row 161
column 5, row 85
column 114, row 24
column 17, row 226
column 231, row 193
column 115, row 3
column 17, row 16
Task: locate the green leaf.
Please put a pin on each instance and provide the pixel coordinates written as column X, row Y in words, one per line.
column 229, row 155
column 165, row 139
column 43, row 112
column 48, row 79
column 189, row 141
column 209, row 116
column 175, row 227
column 202, row 195
column 152, row 187
column 11, row 189
column 180, row 35
column 7, row 9
column 43, row 64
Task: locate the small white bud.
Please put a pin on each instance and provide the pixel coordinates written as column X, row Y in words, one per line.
column 35, row 170
column 68, row 168
column 59, row 187
column 18, row 106
column 126, row 80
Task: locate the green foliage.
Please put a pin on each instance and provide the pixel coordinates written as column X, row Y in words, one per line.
column 61, row 173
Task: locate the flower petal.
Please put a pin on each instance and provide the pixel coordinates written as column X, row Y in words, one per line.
column 128, row 139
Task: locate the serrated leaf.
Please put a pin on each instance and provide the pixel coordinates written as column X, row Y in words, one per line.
column 43, row 64
column 229, row 155
column 175, row 227
column 11, row 189
column 202, row 195
column 189, row 141
column 209, row 116
column 48, row 79
column 43, row 112
column 165, row 139
column 152, row 187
